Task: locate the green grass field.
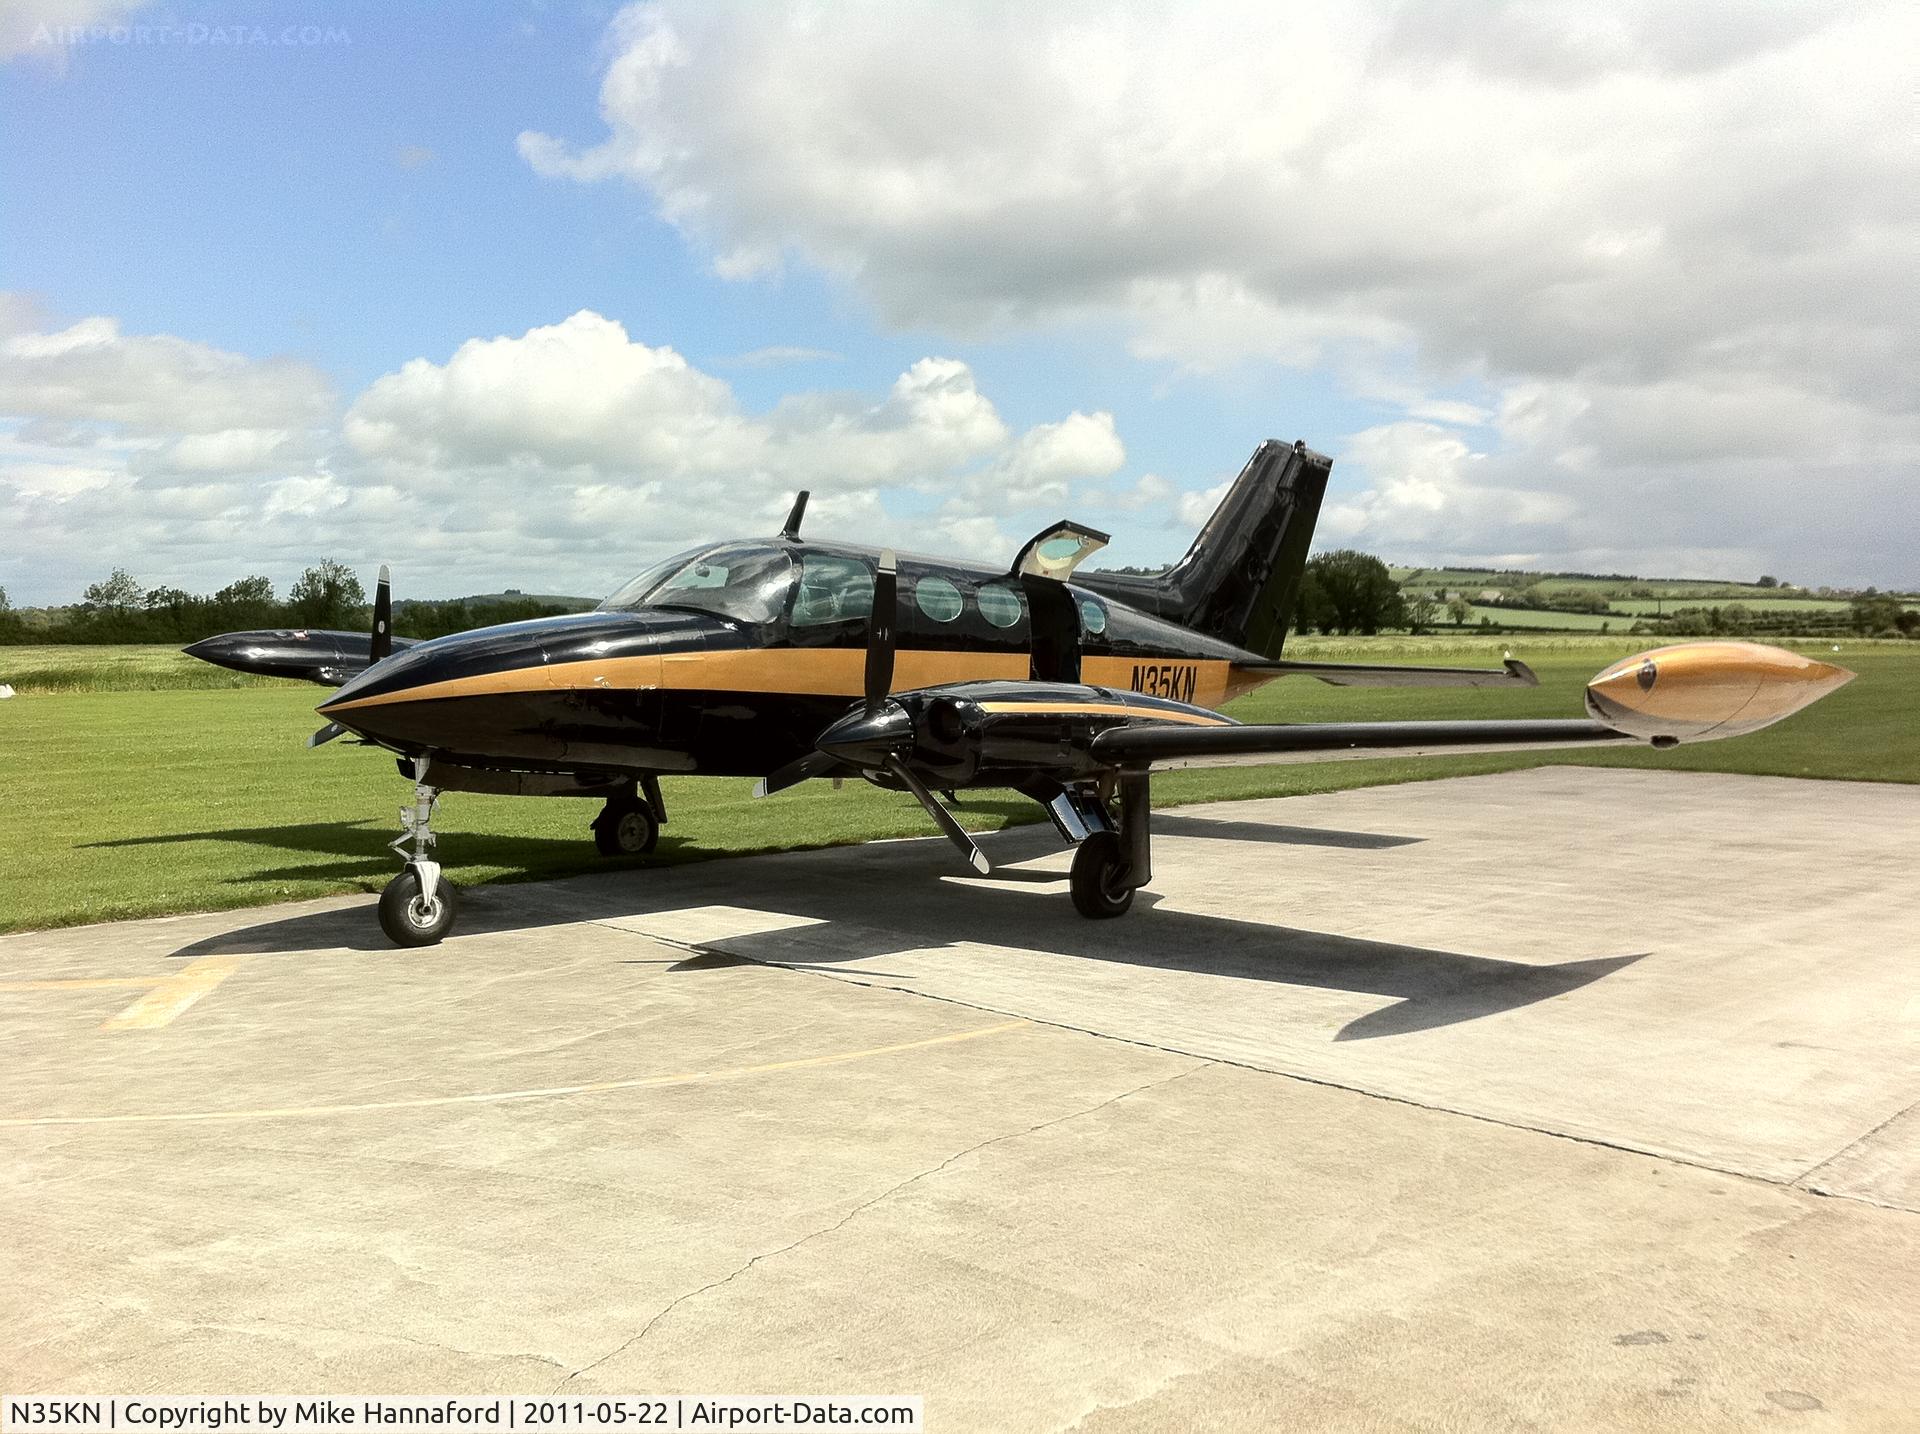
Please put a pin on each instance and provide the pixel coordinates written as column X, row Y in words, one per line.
column 137, row 786
column 1554, row 621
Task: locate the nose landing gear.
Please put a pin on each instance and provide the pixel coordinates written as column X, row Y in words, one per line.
column 417, row 908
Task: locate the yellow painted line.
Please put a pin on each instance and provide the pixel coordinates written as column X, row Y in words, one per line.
column 501, row 1096
column 174, row 994
column 82, row 983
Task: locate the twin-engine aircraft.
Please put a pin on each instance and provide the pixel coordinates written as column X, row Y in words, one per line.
column 788, row 659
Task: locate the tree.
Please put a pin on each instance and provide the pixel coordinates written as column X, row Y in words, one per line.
column 1459, row 609
column 326, row 595
column 1422, row 611
column 1875, row 612
column 1310, row 610
column 5, row 606
column 246, row 603
column 246, row 592
column 1767, row 580
column 118, row 593
column 1358, row 592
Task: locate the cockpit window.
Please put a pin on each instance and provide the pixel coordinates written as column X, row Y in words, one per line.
column 746, row 583
column 832, row 589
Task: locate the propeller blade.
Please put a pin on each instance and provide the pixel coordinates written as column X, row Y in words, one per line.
column 957, row 834
column 326, row 734
column 814, row 764
column 880, row 632
column 382, row 642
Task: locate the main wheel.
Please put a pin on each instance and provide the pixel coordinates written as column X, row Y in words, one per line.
column 1098, row 880
column 409, row 921
column 625, row 827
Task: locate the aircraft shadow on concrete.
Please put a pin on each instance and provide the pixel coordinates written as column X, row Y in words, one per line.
column 837, row 898
column 354, row 850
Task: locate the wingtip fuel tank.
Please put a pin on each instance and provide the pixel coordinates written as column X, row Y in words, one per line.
column 1702, row 691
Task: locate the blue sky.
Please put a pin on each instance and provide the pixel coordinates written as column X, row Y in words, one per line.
column 366, row 199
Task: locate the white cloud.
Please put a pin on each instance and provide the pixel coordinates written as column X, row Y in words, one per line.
column 1044, row 462
column 561, row 458
column 1668, row 242
column 146, row 384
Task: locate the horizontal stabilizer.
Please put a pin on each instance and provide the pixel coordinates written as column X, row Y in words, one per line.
column 1369, row 674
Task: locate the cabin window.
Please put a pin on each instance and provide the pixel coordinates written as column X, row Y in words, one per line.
column 1093, row 617
column 832, row 590
column 938, row 599
column 999, row 604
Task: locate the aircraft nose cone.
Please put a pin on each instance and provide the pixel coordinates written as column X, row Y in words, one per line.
column 866, row 740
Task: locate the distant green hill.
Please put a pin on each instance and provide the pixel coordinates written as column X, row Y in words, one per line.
column 514, row 595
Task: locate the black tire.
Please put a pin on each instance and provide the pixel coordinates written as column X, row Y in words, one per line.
column 625, row 827
column 1099, row 867
column 406, row 921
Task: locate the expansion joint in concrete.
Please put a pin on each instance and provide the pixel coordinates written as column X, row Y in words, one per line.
column 929, row 1173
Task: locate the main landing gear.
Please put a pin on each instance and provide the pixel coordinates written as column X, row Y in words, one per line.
column 629, row 824
column 1110, row 861
column 417, row 908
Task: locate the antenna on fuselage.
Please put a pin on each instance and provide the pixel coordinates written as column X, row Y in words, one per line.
column 792, row 531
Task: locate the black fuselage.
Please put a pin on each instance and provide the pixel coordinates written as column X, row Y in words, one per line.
column 695, row 680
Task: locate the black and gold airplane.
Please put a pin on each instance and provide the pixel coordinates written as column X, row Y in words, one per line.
column 788, row 659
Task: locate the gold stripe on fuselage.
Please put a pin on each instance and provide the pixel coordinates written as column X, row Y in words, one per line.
column 1102, row 709
column 813, row 672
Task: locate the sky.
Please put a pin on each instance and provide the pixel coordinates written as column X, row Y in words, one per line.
column 533, row 294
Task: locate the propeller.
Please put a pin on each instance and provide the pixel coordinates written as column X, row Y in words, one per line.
column 379, row 647
column 879, row 677
column 880, row 631
column 955, row 833
column 381, row 644
column 880, row 726
column 814, row 764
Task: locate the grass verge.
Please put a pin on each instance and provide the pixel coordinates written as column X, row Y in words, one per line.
column 138, row 802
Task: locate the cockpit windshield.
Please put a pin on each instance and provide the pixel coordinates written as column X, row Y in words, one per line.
column 745, row 582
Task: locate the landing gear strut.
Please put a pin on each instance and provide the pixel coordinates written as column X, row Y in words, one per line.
column 1109, row 865
column 629, row 824
column 417, row 908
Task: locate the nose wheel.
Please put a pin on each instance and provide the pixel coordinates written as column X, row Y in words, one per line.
column 412, row 917
column 417, row 908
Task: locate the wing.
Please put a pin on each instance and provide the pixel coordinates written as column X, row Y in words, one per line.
column 1513, row 673
column 1166, row 748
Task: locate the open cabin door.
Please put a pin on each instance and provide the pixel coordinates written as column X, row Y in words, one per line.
column 1043, row 566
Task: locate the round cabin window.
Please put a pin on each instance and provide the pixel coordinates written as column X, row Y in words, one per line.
column 999, row 604
column 1093, row 617
column 939, row 599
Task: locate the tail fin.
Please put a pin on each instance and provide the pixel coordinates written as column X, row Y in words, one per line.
column 1240, row 579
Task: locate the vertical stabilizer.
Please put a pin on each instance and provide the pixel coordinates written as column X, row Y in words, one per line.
column 1241, row 578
